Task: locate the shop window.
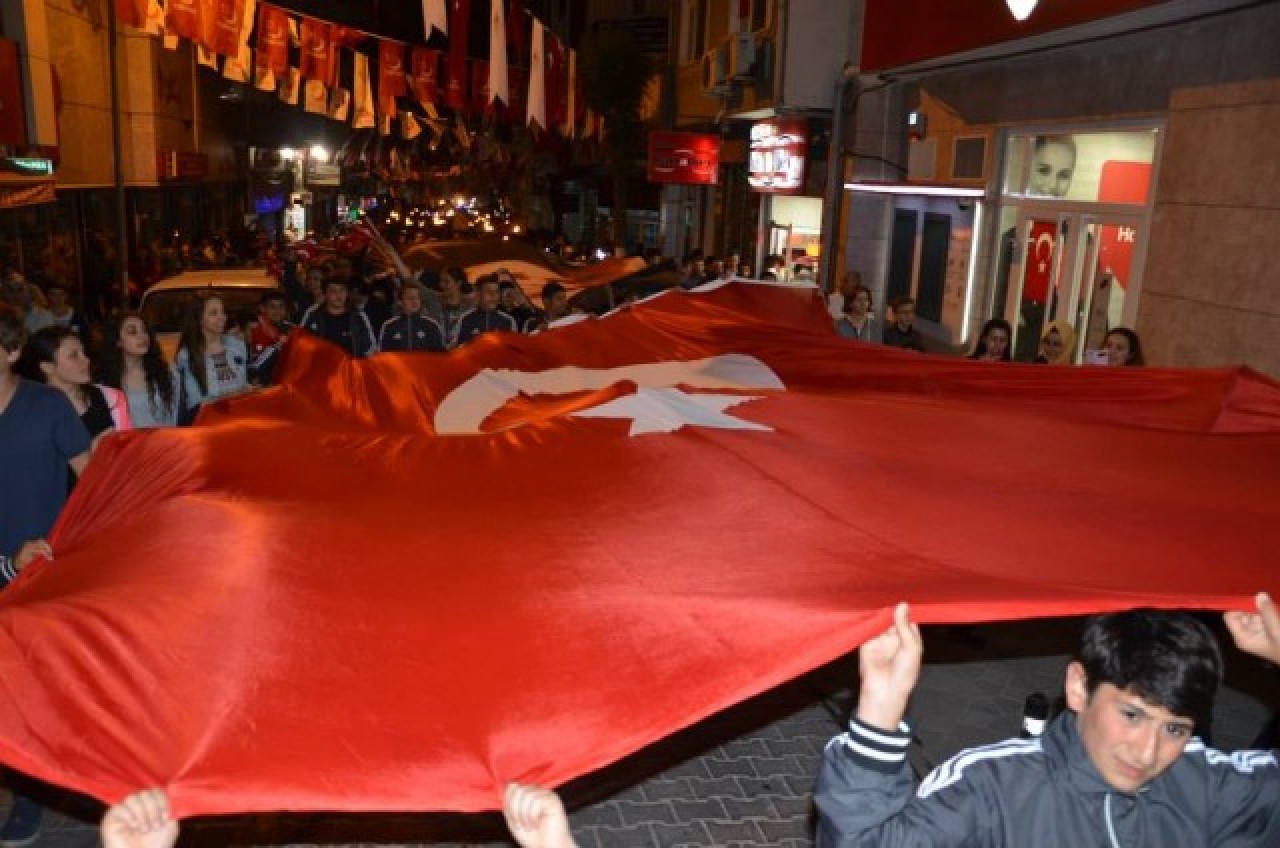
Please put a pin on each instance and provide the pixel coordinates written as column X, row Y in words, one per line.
column 1094, row 167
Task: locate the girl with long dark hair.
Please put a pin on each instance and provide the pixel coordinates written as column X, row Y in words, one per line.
column 132, row 362
column 211, row 362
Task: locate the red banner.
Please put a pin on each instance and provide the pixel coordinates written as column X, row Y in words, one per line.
column 319, row 58
column 426, row 76
column 557, row 82
column 391, row 78
column 273, row 39
column 478, row 102
column 517, row 31
column 684, row 158
column 131, row 12
column 455, row 92
column 13, row 116
column 184, row 17
column 518, row 82
column 224, row 27
column 441, row 656
column 899, row 32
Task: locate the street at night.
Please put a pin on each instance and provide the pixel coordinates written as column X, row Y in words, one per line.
column 588, row 423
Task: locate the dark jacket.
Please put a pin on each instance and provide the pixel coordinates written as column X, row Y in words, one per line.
column 350, row 331
column 477, row 321
column 894, row 337
column 412, row 332
column 1041, row 792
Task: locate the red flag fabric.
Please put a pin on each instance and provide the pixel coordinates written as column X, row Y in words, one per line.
column 319, row 56
column 517, row 30
column 455, row 93
column 223, row 27
column 444, row 561
column 184, row 17
column 391, row 79
column 478, row 103
column 131, row 12
column 426, row 75
column 273, row 39
column 557, row 73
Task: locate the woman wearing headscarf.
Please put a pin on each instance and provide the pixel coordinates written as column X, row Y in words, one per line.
column 1057, row 345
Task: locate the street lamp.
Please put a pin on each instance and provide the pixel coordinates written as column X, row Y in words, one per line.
column 318, row 153
column 1021, row 9
column 288, row 154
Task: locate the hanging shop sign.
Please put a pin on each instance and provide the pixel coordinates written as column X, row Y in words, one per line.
column 26, row 166
column 776, row 157
column 324, row 174
column 684, row 158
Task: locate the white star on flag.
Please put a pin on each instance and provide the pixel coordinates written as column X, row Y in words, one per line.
column 669, row 409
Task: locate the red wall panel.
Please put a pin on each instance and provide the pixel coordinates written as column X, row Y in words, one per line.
column 900, row 32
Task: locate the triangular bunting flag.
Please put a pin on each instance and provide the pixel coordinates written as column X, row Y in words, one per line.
column 498, row 83
column 435, row 15
column 363, row 116
column 536, row 107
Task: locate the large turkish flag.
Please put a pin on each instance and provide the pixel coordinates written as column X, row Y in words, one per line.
column 399, row 583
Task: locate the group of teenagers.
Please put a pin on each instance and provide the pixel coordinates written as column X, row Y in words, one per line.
column 854, row 317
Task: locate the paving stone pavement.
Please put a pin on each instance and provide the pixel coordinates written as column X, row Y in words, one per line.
column 744, row 778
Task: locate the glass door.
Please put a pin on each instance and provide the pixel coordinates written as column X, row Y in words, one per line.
column 1104, row 292
column 1077, row 268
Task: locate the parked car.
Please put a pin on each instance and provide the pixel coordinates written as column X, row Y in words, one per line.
column 164, row 304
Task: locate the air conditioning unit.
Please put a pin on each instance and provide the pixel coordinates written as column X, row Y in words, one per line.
column 742, row 55
column 715, row 71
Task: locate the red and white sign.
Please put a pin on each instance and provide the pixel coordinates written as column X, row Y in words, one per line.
column 684, row 158
column 777, row 156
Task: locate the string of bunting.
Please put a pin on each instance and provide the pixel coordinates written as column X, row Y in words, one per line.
column 320, row 65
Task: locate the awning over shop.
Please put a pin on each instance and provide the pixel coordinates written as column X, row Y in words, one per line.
column 18, row 191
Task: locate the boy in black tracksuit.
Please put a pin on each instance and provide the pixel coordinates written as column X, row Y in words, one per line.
column 412, row 329
column 486, row 317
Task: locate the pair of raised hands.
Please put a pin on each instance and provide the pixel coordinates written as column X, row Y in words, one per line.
column 889, row 664
column 535, row 816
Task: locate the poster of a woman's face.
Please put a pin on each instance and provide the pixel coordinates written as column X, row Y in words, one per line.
column 1053, row 163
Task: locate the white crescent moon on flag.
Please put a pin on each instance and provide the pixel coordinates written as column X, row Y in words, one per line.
column 659, row 406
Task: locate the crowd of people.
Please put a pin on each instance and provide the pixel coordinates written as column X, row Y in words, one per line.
column 854, row 316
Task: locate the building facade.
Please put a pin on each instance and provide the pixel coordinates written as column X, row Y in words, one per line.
column 181, row 171
column 1104, row 164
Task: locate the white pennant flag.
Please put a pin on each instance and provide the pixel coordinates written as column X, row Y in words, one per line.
column 498, row 84
column 435, row 14
column 363, row 116
column 536, row 110
column 571, row 77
